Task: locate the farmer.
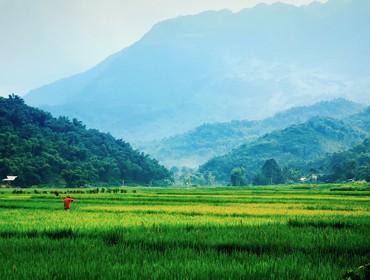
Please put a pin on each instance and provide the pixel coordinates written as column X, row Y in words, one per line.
column 67, row 202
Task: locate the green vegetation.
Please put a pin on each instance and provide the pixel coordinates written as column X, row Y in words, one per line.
column 214, row 139
column 42, row 150
column 293, row 148
column 270, row 174
column 285, row 232
column 237, row 177
column 353, row 164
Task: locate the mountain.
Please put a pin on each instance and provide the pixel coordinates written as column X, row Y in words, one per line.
column 221, row 66
column 209, row 140
column 42, row 150
column 295, row 146
column 360, row 120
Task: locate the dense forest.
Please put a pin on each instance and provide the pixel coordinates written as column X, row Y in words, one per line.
column 215, row 139
column 345, row 166
column 353, row 164
column 293, row 148
column 43, row 150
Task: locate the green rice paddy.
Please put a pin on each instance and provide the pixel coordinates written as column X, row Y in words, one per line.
column 282, row 232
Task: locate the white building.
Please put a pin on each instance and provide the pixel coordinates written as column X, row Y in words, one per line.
column 9, row 179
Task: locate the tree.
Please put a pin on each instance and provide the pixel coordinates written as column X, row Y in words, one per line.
column 270, row 174
column 272, row 171
column 291, row 175
column 237, row 176
column 210, row 178
column 345, row 170
column 363, row 173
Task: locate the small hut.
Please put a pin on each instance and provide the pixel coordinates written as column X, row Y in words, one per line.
column 8, row 180
column 303, row 179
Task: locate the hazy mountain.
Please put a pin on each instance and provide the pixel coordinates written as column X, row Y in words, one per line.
column 360, row 120
column 294, row 146
column 209, row 140
column 43, row 150
column 220, row 66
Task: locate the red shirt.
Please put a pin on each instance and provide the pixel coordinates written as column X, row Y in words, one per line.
column 67, row 202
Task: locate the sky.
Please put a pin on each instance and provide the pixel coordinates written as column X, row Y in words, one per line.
column 45, row 40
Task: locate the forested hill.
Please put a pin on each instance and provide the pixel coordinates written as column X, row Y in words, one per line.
column 43, row 150
column 351, row 164
column 209, row 140
column 294, row 146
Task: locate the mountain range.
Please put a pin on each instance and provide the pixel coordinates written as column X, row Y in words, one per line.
column 295, row 146
column 221, row 66
column 195, row 147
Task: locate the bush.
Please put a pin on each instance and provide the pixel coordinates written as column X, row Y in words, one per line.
column 56, row 193
column 17, row 191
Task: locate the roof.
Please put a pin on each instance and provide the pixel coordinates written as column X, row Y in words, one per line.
column 9, row 178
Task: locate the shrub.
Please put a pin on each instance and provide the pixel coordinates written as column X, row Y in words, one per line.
column 18, row 191
column 56, row 193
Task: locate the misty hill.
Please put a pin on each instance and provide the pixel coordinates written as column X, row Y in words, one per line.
column 360, row 120
column 342, row 166
column 209, row 140
column 295, row 146
column 42, row 150
column 221, row 66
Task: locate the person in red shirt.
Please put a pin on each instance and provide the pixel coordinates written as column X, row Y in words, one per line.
column 67, row 202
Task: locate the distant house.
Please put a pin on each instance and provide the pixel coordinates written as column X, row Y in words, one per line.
column 314, row 178
column 9, row 179
column 303, row 179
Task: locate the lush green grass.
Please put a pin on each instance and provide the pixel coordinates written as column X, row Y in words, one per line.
column 284, row 232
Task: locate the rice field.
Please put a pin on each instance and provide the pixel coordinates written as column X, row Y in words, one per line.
column 282, row 232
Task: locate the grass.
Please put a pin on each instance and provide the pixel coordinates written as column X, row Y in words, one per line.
column 283, row 232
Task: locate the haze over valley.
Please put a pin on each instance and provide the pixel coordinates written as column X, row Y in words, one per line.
column 220, row 66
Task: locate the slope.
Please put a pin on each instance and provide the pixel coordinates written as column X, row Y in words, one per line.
column 353, row 164
column 294, row 146
column 42, row 150
column 221, row 66
column 209, row 140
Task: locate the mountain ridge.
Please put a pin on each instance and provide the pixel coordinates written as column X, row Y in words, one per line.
column 214, row 67
column 200, row 144
column 294, row 146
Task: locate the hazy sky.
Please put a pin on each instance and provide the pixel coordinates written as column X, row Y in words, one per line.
column 45, row 40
